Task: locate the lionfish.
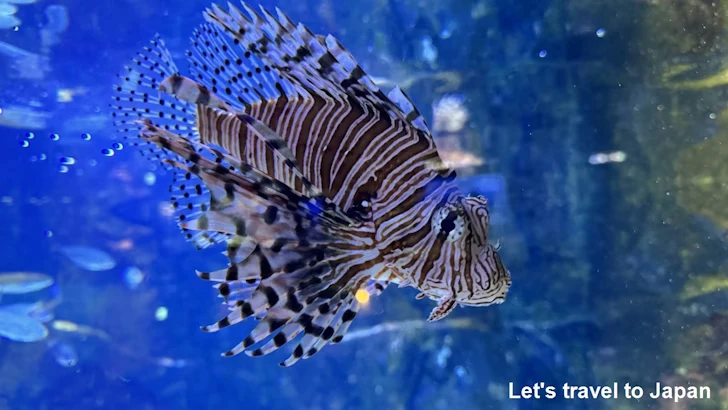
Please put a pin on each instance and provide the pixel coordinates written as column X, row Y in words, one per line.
column 320, row 185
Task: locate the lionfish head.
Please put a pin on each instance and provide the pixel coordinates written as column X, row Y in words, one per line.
column 463, row 224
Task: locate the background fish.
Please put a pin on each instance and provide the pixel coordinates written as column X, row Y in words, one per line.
column 21, row 328
column 88, row 258
column 63, row 353
column 23, row 282
column 38, row 310
column 326, row 185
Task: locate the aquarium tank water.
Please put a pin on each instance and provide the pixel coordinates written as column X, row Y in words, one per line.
column 375, row 204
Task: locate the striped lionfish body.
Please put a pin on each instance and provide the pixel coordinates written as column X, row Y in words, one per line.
column 320, row 185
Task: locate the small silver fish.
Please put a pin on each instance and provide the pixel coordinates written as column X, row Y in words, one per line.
column 21, row 328
column 23, row 282
column 8, row 21
column 88, row 258
column 38, row 311
column 7, row 9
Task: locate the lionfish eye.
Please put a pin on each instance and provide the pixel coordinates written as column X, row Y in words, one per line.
column 449, row 224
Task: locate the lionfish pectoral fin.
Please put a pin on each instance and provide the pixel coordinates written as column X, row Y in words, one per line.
column 320, row 311
column 445, row 305
column 281, row 251
column 134, row 101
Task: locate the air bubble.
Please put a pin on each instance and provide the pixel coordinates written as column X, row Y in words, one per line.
column 86, row 137
column 68, row 160
column 24, row 143
column 150, row 178
column 55, row 137
column 107, row 152
column 63, row 169
column 42, row 157
column 118, row 146
column 543, row 53
column 601, row 32
column 161, row 313
column 29, row 135
column 47, row 233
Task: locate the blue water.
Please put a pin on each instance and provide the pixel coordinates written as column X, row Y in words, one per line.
column 599, row 252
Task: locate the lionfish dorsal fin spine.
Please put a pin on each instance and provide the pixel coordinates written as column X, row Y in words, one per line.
column 316, row 63
column 239, row 79
column 408, row 108
column 336, row 122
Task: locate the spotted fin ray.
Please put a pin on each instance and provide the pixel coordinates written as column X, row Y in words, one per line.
column 328, row 324
column 136, row 96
